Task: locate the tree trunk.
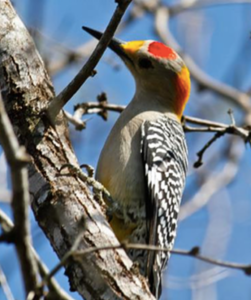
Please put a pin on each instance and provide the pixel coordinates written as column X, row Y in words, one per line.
column 60, row 203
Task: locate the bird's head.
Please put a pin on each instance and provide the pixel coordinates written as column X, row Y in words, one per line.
column 158, row 70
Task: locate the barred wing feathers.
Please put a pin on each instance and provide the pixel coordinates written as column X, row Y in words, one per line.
column 164, row 154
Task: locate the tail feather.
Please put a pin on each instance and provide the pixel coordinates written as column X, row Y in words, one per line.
column 155, row 284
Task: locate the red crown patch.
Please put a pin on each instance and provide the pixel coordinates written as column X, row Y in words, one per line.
column 160, row 50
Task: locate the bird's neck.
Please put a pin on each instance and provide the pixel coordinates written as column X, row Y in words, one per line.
column 166, row 96
column 150, row 100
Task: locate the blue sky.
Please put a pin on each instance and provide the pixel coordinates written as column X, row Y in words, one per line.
column 218, row 39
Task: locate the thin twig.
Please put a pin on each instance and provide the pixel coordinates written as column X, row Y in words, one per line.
column 220, row 129
column 58, row 102
column 199, row 121
column 195, row 4
column 231, row 129
column 17, row 158
column 212, row 184
column 162, row 28
column 5, row 222
column 85, row 50
column 231, row 115
column 209, row 126
column 53, row 287
column 202, row 129
column 63, row 261
column 5, row 287
column 78, row 123
column 87, row 106
column 200, row 154
column 101, row 108
column 194, row 252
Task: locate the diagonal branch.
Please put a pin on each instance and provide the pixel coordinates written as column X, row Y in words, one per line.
column 194, row 252
column 221, row 130
column 53, row 287
column 237, row 97
column 17, row 158
column 195, row 4
column 101, row 108
column 58, row 102
column 5, row 287
column 66, row 200
column 200, row 154
column 214, row 183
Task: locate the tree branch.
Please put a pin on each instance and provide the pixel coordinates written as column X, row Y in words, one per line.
column 102, row 108
column 237, row 97
column 231, row 129
column 17, row 158
column 59, row 202
column 195, row 4
column 213, row 183
column 52, row 284
column 84, row 50
column 194, row 252
column 58, row 102
column 5, row 287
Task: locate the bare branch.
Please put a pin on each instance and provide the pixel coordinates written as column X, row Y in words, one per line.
column 101, row 109
column 63, row 261
column 221, row 129
column 237, row 97
column 17, row 158
column 231, row 129
column 5, row 287
column 58, row 102
column 202, row 122
column 52, row 284
column 234, row 130
column 194, row 252
column 85, row 50
column 195, row 4
column 77, row 122
column 5, row 222
column 213, row 183
column 67, row 199
column 200, row 154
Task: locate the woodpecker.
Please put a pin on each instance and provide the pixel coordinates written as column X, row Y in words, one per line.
column 143, row 163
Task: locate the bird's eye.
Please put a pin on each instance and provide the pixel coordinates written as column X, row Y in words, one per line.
column 145, row 63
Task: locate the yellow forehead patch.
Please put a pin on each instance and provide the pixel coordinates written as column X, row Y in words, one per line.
column 132, row 47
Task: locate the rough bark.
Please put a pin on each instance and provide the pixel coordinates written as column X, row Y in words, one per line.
column 59, row 203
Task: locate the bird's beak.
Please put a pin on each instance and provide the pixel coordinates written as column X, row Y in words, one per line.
column 115, row 44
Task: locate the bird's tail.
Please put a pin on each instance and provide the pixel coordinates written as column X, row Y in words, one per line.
column 155, row 283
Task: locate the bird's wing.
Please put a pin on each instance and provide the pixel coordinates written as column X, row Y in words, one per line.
column 164, row 154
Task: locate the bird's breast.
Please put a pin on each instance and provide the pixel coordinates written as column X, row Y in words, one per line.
column 120, row 167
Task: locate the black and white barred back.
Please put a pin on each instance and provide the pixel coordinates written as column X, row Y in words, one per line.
column 164, row 153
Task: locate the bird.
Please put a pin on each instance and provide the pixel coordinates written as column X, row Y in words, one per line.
column 144, row 161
